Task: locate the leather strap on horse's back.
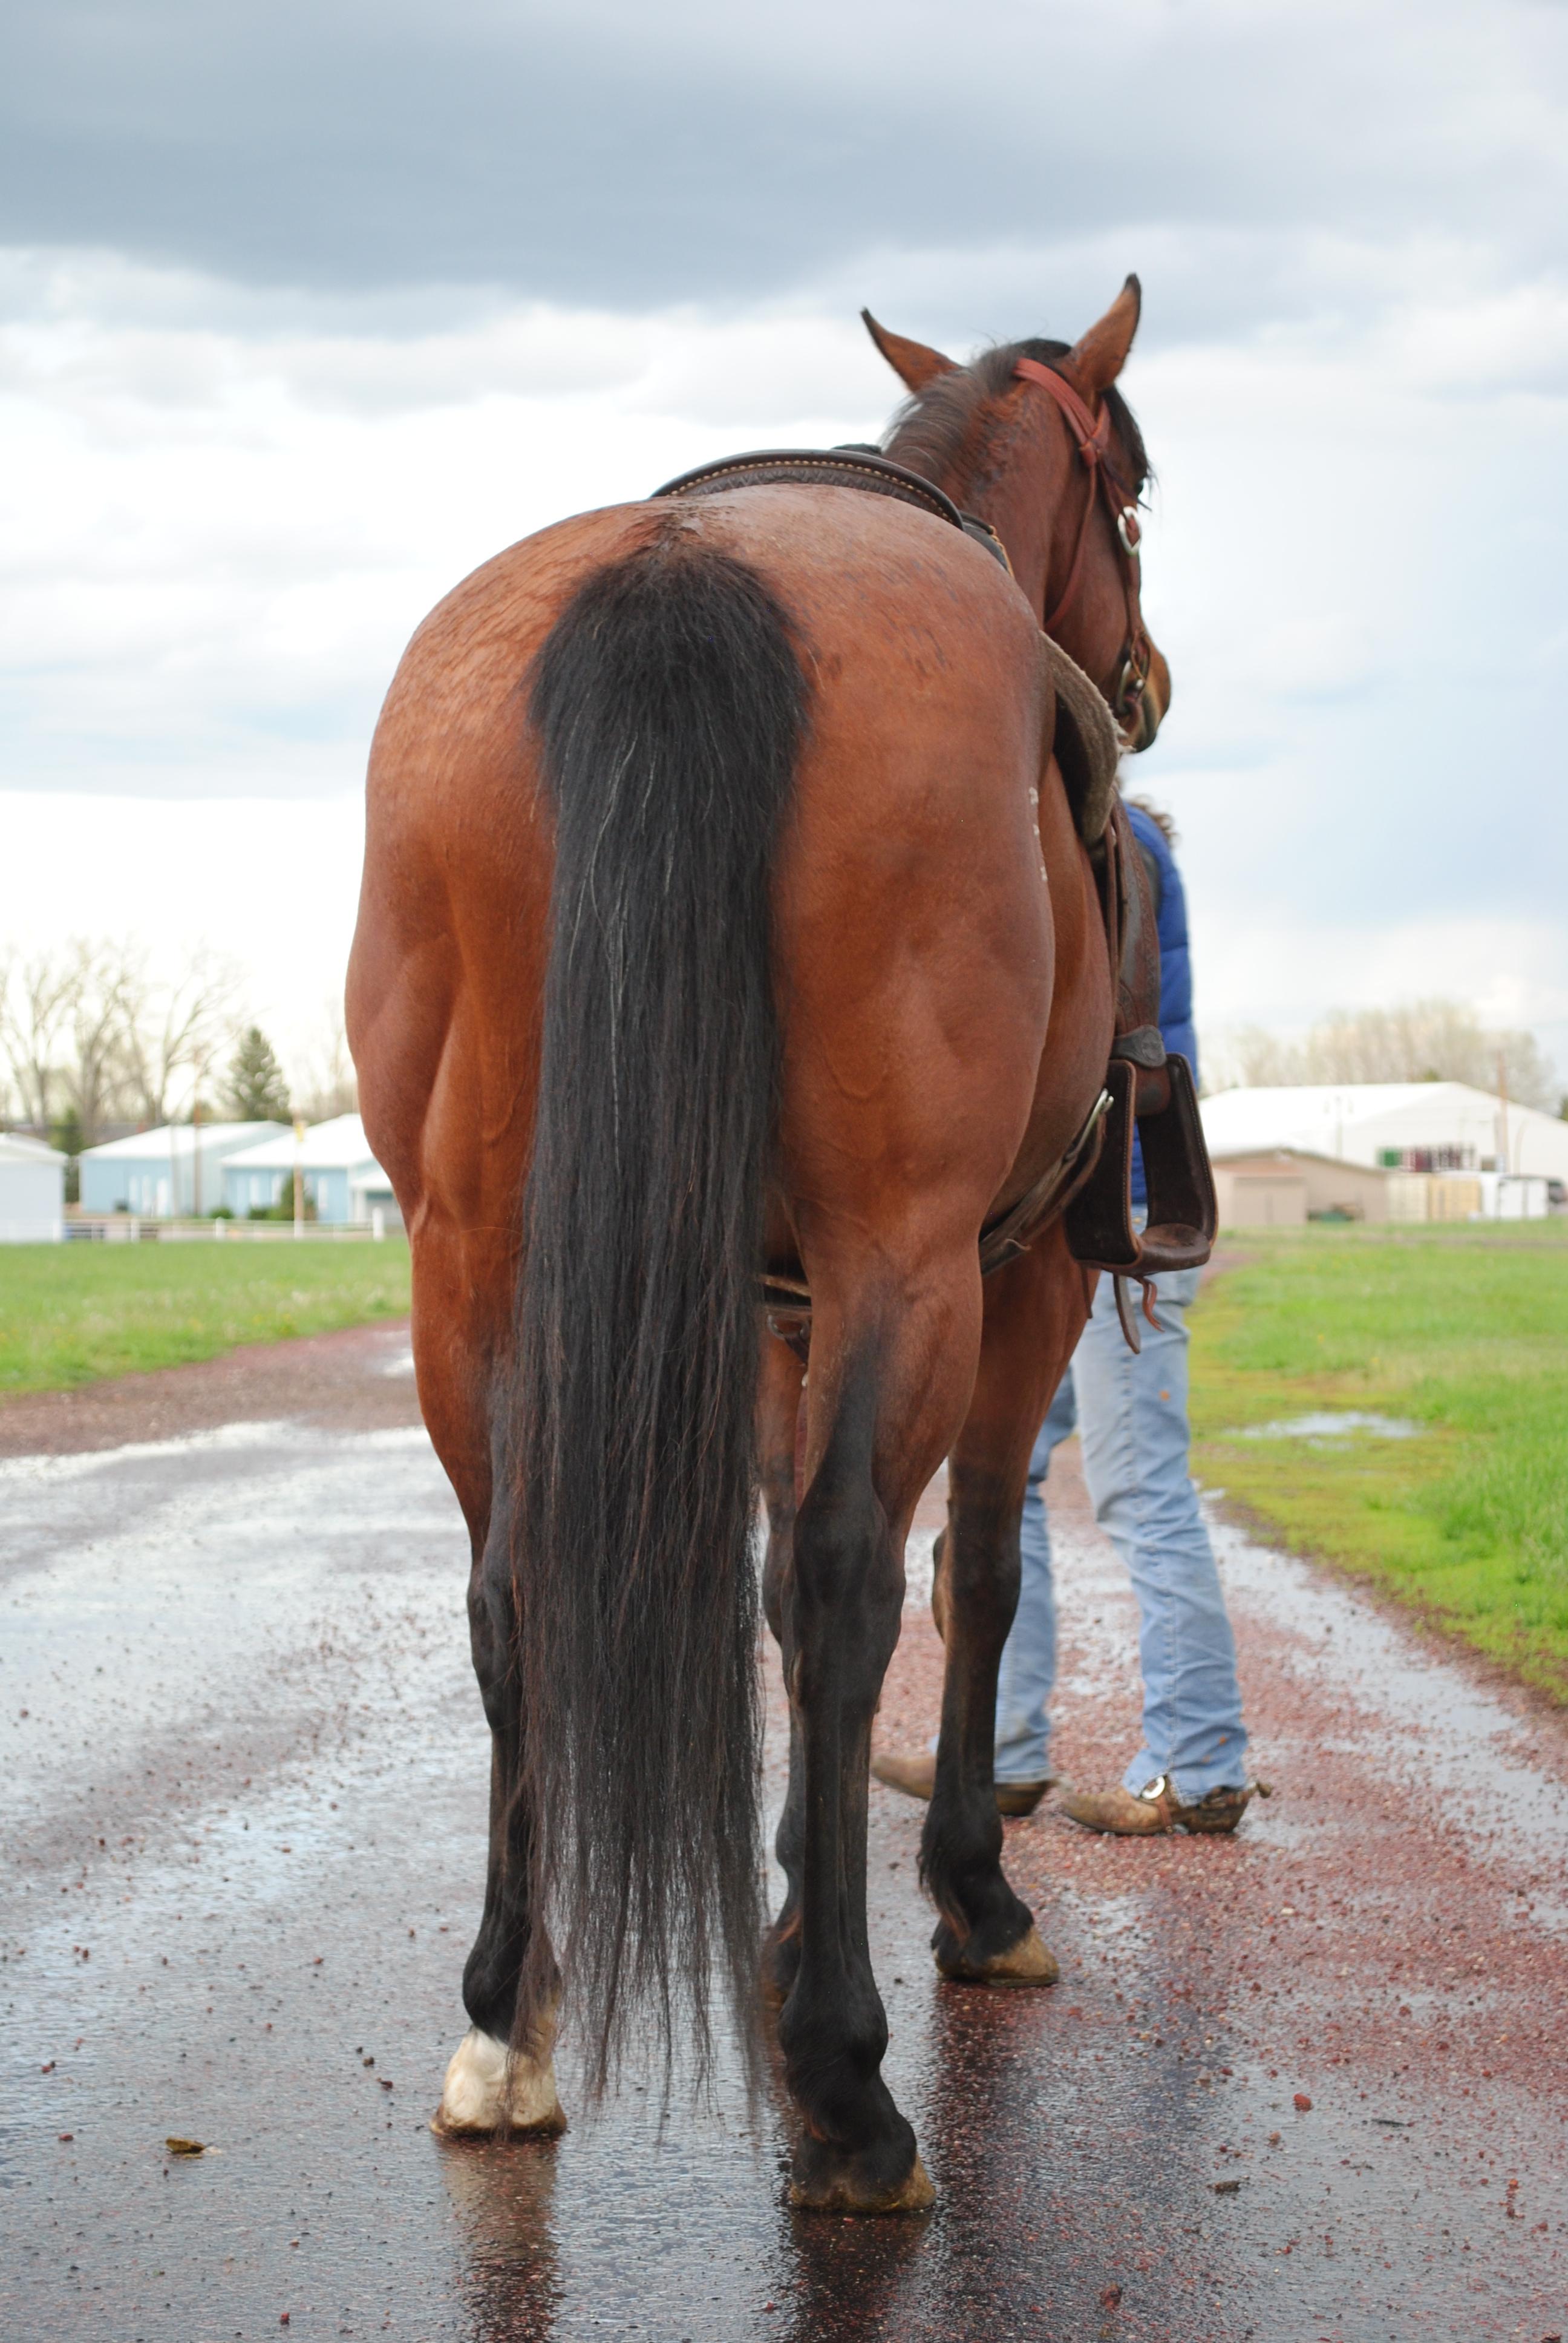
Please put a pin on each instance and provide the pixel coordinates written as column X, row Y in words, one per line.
column 816, row 467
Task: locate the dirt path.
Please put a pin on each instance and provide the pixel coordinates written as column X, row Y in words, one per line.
column 244, row 1786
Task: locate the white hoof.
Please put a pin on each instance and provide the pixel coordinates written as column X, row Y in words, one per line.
column 490, row 2087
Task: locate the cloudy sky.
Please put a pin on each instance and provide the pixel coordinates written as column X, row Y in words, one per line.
column 305, row 311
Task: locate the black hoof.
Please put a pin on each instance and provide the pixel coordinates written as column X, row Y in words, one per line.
column 1003, row 1949
column 885, row 2176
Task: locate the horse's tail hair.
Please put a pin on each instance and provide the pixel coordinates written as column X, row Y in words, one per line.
column 669, row 707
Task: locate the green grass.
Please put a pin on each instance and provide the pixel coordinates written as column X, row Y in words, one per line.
column 71, row 1313
column 1462, row 1333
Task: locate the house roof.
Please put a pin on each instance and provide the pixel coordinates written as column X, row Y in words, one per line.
column 15, row 1149
column 1283, row 1114
column 340, row 1145
column 168, row 1139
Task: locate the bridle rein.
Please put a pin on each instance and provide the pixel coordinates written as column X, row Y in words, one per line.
column 1106, row 484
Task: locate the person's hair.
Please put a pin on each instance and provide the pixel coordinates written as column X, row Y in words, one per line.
column 1159, row 817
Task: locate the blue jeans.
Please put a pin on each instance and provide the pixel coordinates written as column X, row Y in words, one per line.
column 1132, row 1415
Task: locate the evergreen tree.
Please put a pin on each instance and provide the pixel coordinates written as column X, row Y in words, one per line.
column 255, row 1090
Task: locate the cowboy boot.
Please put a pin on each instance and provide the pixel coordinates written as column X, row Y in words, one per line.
column 1156, row 1808
column 917, row 1777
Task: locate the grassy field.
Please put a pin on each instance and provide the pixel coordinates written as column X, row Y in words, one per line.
column 70, row 1314
column 1459, row 1335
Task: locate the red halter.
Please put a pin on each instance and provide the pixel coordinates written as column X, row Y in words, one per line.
column 1093, row 438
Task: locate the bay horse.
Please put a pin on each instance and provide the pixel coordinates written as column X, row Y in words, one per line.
column 723, row 914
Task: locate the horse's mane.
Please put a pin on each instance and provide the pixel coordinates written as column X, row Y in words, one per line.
column 933, row 433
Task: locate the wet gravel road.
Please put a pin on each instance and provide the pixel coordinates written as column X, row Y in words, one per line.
column 242, row 1772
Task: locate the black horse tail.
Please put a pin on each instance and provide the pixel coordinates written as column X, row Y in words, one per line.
column 669, row 705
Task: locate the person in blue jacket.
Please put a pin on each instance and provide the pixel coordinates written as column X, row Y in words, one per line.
column 1131, row 1410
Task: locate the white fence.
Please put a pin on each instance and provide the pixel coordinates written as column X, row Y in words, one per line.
column 129, row 1227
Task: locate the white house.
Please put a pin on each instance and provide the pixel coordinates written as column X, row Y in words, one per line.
column 173, row 1170
column 342, row 1178
column 1392, row 1126
column 32, row 1192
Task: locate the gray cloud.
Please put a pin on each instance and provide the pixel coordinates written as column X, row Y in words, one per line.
column 637, row 157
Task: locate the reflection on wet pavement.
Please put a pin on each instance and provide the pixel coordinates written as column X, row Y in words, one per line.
column 245, row 1777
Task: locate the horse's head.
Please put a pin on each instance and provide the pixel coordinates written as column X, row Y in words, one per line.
column 1035, row 438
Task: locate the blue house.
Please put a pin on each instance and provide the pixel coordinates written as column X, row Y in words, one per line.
column 341, row 1176
column 172, row 1171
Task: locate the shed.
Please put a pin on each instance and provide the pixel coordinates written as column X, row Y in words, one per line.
column 32, row 1190
column 341, row 1176
column 1264, row 1186
column 167, row 1172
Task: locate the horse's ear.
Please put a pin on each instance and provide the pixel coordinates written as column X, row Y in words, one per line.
column 912, row 362
column 1099, row 357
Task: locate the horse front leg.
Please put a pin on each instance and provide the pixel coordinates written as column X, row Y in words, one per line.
column 1035, row 1310
column 886, row 1390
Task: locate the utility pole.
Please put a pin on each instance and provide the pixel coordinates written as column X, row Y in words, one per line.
column 1503, row 1163
column 195, row 1144
column 299, row 1177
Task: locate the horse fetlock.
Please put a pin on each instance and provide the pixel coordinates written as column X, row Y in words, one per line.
column 780, row 1959
column 941, row 1587
column 833, row 2059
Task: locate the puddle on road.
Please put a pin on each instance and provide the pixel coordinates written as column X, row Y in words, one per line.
column 1329, row 1427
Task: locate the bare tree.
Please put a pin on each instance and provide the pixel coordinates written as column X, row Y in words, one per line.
column 177, row 1028
column 97, row 1082
column 324, row 1082
column 1421, row 1040
column 1428, row 1040
column 37, row 1002
column 1249, row 1056
column 88, row 1034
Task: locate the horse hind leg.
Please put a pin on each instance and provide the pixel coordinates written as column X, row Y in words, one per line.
column 985, row 1934
column 882, row 1408
column 779, row 1418
column 501, row 2077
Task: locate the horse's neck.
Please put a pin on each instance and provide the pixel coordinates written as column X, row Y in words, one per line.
column 1022, row 484
column 1036, row 505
